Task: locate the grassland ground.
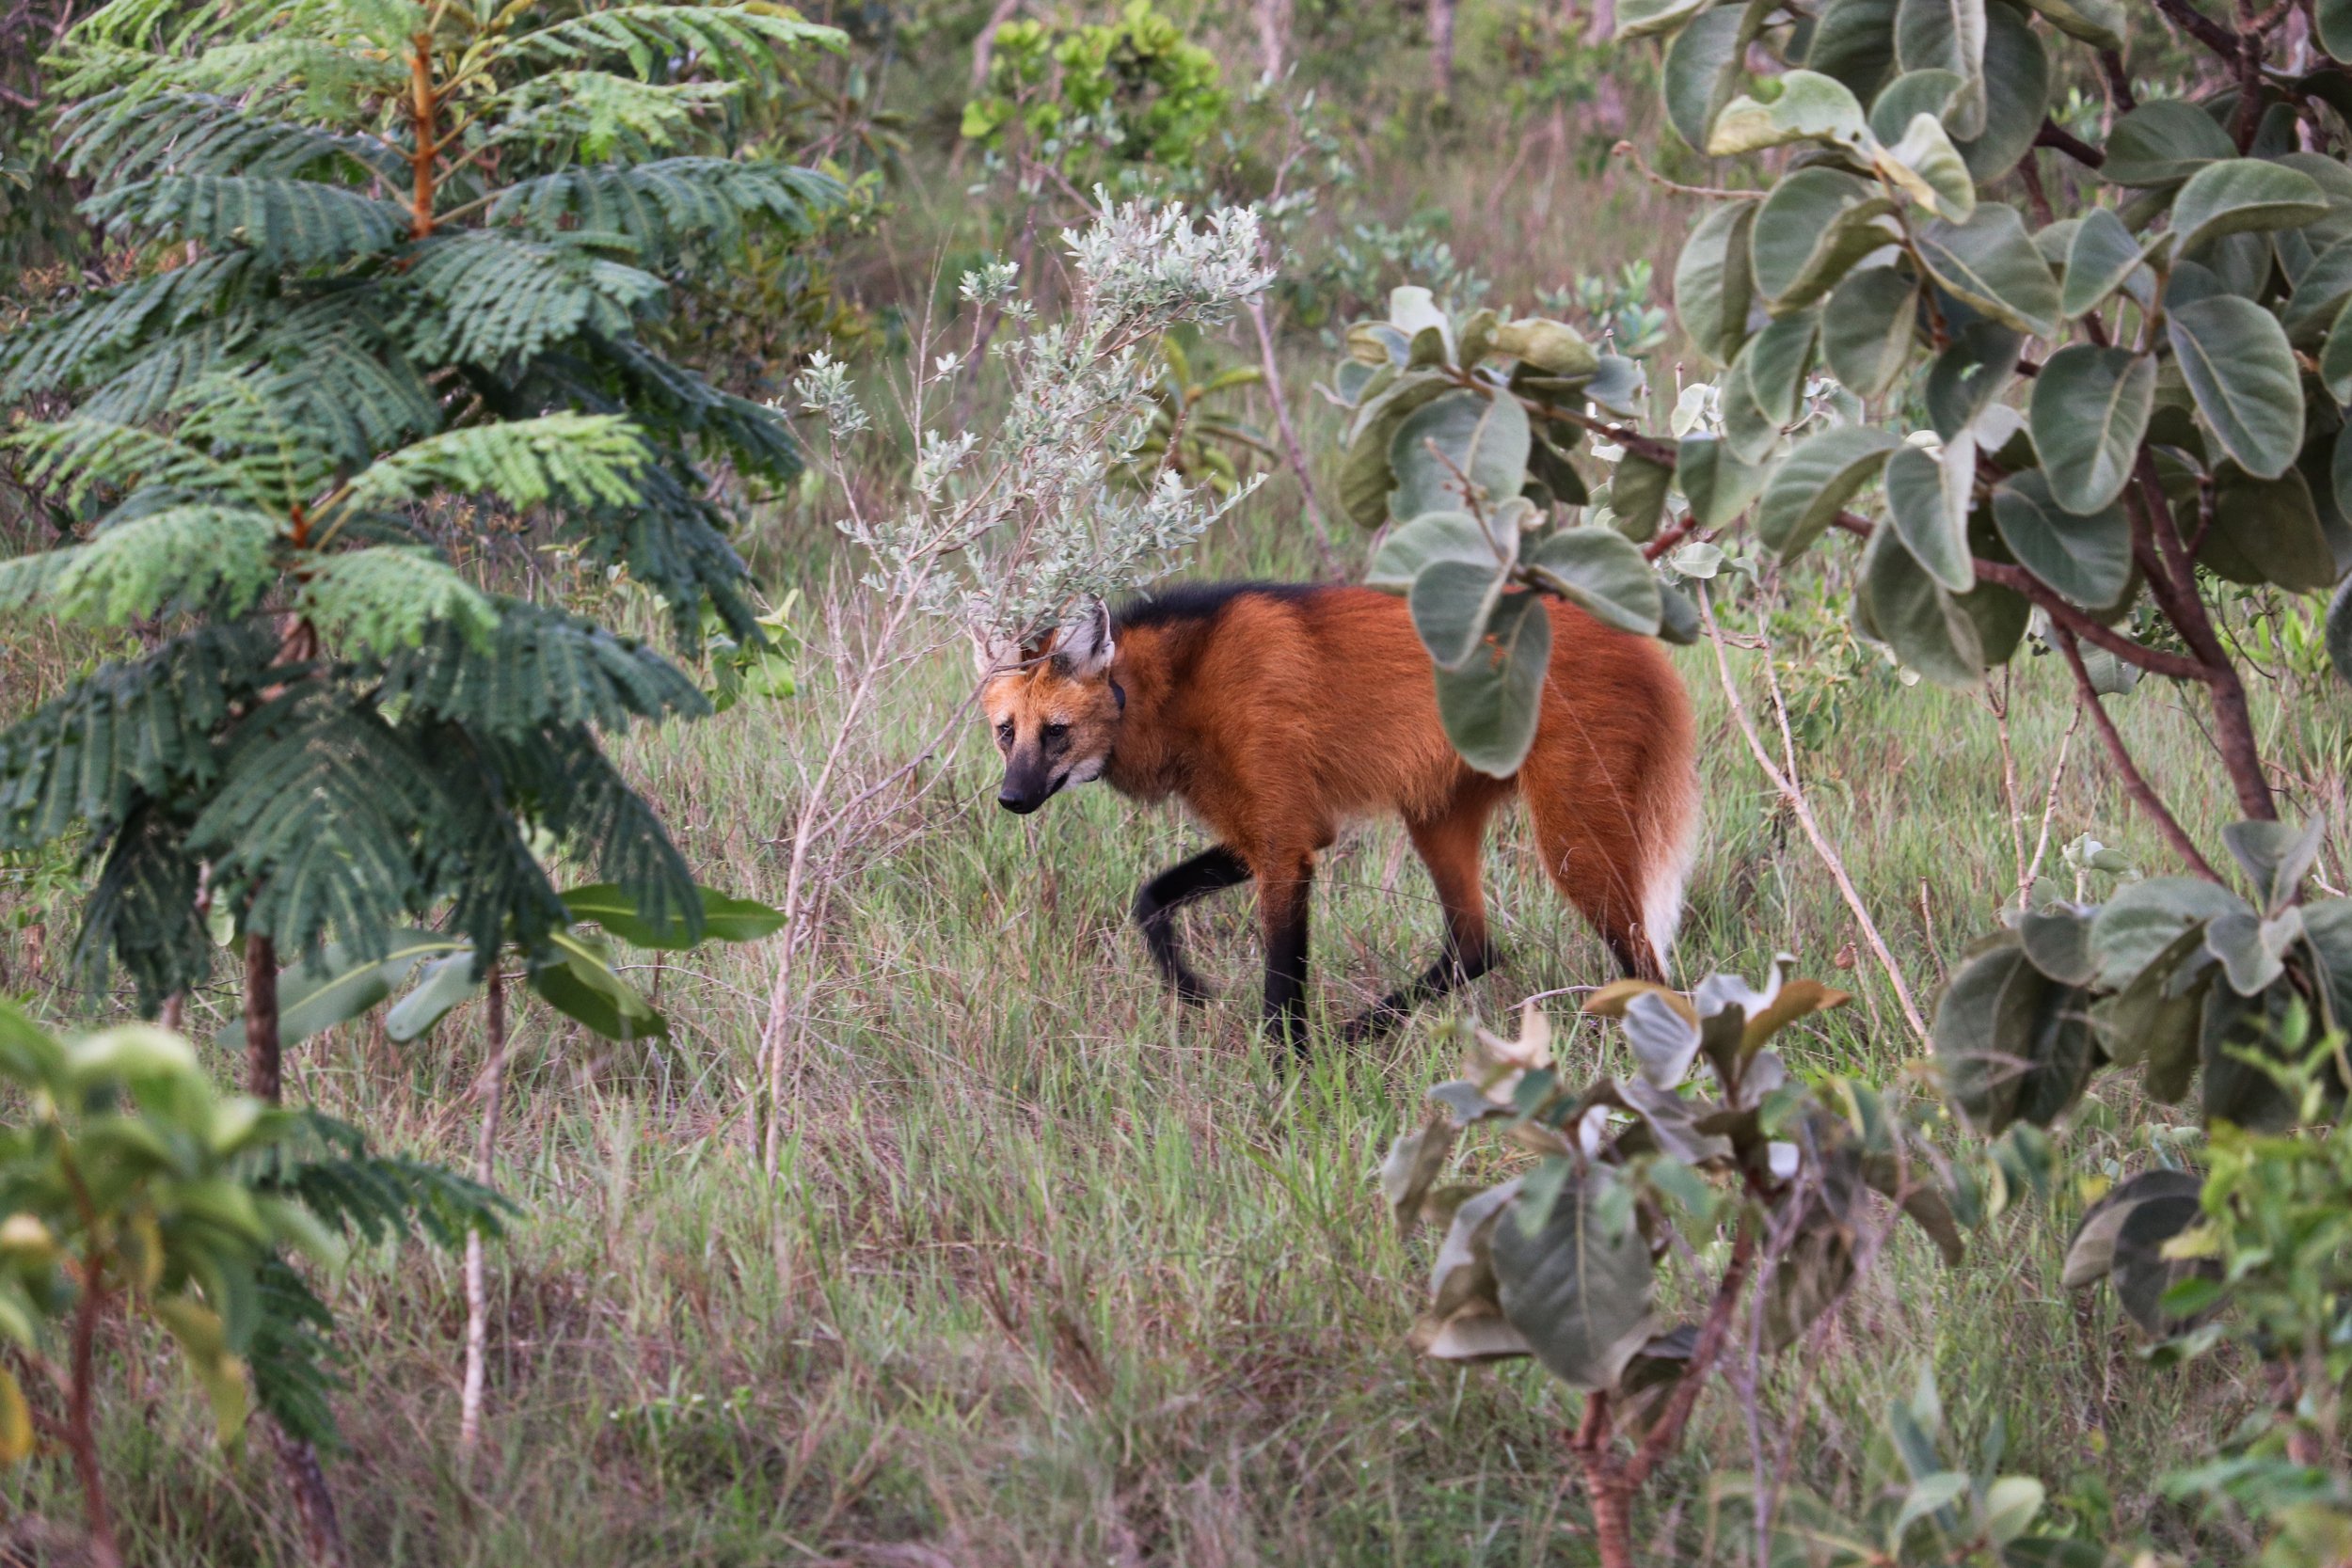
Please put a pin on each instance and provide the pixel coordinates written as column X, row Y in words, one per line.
column 1057, row 1273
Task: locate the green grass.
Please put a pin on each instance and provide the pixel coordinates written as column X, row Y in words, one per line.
column 1059, row 1275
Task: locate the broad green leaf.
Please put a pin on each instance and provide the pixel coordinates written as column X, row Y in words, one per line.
column 2240, row 196
column 2163, row 143
column 1637, row 497
column 1774, row 362
column 1641, row 18
column 1365, row 477
column 2087, row 559
column 2091, row 407
column 1813, row 227
column 2144, row 918
column 1450, row 602
column 1552, row 347
column 2016, row 93
column 1907, row 97
column 1854, row 42
column 441, row 986
column 340, row 982
column 2243, row 374
column 2010, row 1505
column 1491, row 705
column 1927, row 1494
column 2334, row 30
column 1991, row 264
column 1868, row 329
column 2319, row 293
column 1482, row 440
column 1750, row 434
column 581, row 984
column 1602, row 572
column 1809, row 106
column 1712, row 280
column 1809, row 486
column 1968, row 377
column 1916, row 618
column 2335, row 357
column 1716, row 483
column 1925, row 166
column 1580, row 1294
column 2091, row 1255
column 1434, row 536
column 723, row 918
column 1413, row 311
column 1702, row 72
column 1947, row 35
column 2270, row 526
column 1932, row 531
column 2101, row 257
column 2097, row 22
column 1983, row 1033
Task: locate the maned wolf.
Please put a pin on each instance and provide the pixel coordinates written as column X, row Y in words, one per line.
column 1278, row 713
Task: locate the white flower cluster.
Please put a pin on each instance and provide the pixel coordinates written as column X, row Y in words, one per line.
column 1008, row 527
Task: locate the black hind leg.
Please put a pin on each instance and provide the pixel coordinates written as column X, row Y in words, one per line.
column 1454, row 970
column 1208, row 872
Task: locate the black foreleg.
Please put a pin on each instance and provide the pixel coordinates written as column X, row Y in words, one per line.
column 1208, row 872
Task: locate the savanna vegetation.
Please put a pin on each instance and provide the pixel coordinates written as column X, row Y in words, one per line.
column 527, row 1039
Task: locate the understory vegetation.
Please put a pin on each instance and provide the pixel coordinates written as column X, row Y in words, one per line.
column 524, row 1036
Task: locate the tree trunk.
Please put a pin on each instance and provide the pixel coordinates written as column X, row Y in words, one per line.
column 321, row 1531
column 263, row 1078
column 477, row 1295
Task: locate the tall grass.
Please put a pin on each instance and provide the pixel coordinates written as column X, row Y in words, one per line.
column 1059, row 1275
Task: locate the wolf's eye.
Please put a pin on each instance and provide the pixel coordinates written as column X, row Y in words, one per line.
column 1056, row 732
column 1004, row 733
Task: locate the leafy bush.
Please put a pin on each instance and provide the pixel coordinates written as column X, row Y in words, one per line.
column 1562, row 1262
column 1086, row 99
column 130, row 1186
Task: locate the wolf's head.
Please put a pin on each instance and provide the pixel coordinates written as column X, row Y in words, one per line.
column 1055, row 709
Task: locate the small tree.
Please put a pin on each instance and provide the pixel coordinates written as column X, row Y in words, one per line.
column 133, row 1189
column 414, row 249
column 1562, row 1262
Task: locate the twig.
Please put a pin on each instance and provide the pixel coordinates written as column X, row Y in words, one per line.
column 477, row 1295
column 2059, row 137
column 1292, row 451
column 2049, row 809
column 2135, row 785
column 1794, row 796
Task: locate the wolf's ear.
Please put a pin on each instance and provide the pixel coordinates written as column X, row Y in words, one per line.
column 994, row 653
column 1084, row 647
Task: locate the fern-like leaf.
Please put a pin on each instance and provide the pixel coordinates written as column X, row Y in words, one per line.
column 498, row 297
column 668, row 206
column 563, row 780
column 735, row 41
column 129, row 137
column 378, row 601
column 543, row 667
column 283, row 222
column 76, row 455
column 67, row 348
column 592, row 115
column 583, row 458
column 143, row 911
column 145, row 727
column 317, row 815
column 185, row 557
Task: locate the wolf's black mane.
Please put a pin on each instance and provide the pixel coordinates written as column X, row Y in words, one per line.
column 1182, row 602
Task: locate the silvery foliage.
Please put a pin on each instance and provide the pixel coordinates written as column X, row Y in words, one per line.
column 1006, row 527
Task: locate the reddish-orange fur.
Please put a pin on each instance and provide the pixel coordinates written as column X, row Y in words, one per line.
column 1279, row 716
